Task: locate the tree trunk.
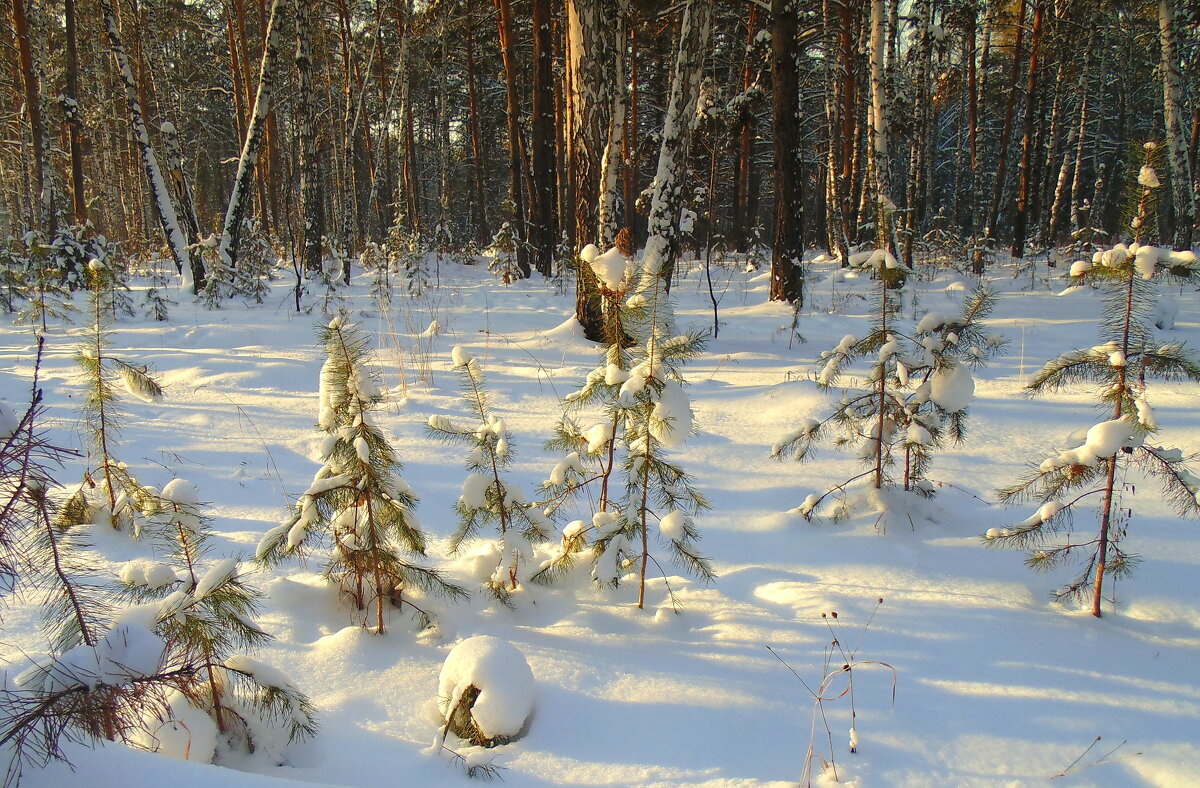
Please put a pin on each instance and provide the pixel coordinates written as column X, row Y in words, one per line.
column 1021, row 217
column 787, row 253
column 662, row 234
column 312, row 203
column 1006, row 133
column 479, row 217
column 176, row 241
column 543, row 201
column 1177, row 146
column 589, row 44
column 231, row 229
column 610, row 165
column 30, row 71
column 508, row 54
column 78, row 198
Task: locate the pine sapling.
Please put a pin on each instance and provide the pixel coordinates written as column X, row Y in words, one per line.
column 1100, row 462
column 503, row 254
column 357, row 498
column 647, row 412
column 487, row 498
column 914, row 399
column 118, row 497
column 204, row 611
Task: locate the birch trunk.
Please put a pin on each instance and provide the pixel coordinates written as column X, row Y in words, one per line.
column 1177, row 146
column 312, row 204
column 662, row 241
column 231, row 228
column 610, row 165
column 168, row 219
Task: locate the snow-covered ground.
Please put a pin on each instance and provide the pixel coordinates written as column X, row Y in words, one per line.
column 994, row 685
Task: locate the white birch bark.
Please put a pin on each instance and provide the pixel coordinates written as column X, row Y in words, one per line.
column 231, row 228
column 1177, row 146
column 877, row 149
column 610, row 167
column 176, row 241
column 662, row 243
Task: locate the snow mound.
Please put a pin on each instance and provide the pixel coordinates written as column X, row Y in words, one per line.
column 486, row 691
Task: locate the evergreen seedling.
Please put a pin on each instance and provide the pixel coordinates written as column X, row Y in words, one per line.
column 487, row 499
column 913, row 400
column 1099, row 464
column 110, row 492
column 205, row 614
column 357, row 498
column 646, row 413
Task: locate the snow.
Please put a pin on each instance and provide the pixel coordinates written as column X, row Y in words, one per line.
column 8, row 421
column 501, row 674
column 180, row 492
column 952, row 389
column 1102, row 440
column 215, row 577
column 613, row 269
column 474, row 491
column 1148, row 177
column 673, row 524
column 997, row 686
column 671, row 419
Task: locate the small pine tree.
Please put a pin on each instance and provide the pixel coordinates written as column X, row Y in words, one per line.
column 647, row 413
column 914, row 398
column 156, row 302
column 503, row 254
column 1099, row 464
column 487, row 498
column 115, row 497
column 255, row 263
column 205, row 613
column 358, row 498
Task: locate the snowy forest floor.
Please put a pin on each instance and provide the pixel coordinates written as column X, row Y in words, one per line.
column 996, row 686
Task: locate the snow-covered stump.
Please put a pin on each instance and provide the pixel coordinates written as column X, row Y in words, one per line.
column 485, row 692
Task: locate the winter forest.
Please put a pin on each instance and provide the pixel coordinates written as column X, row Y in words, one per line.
column 600, row 393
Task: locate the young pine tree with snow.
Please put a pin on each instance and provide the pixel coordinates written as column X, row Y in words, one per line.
column 913, row 400
column 487, row 498
column 357, row 498
column 503, row 254
column 204, row 611
column 646, row 414
column 1101, row 458
column 110, row 493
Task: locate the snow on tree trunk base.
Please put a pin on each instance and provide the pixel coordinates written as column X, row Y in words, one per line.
column 486, row 692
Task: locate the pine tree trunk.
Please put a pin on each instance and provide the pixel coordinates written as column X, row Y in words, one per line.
column 740, row 230
column 30, row 72
column 1021, row 217
column 231, row 229
column 1177, row 147
column 508, row 54
column 1006, row 133
column 78, row 198
column 176, row 241
column 923, row 10
column 589, row 44
column 478, row 205
column 787, row 253
column 543, row 201
column 662, row 233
